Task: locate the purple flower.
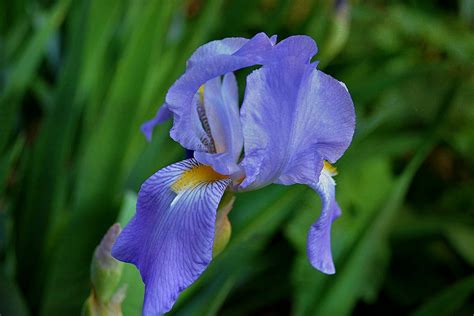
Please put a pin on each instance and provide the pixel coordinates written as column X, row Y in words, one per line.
column 294, row 121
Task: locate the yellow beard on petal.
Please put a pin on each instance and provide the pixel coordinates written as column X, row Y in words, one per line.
column 192, row 177
column 330, row 168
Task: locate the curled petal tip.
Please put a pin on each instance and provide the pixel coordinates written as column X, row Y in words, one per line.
column 161, row 116
column 274, row 39
column 325, row 267
column 147, row 130
column 319, row 236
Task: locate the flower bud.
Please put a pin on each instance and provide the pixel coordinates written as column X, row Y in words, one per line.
column 106, row 272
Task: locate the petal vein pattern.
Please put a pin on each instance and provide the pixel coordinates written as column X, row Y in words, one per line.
column 293, row 117
column 170, row 239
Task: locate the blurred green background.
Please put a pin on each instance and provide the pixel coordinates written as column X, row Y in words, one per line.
column 77, row 78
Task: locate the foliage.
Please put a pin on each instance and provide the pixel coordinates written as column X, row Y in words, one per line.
column 77, row 78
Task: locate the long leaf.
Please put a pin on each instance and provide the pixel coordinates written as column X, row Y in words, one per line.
column 23, row 70
column 449, row 300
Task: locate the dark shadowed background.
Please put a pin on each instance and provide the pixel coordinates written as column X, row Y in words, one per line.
column 77, row 78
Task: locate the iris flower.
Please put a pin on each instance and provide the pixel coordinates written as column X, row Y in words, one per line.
column 293, row 123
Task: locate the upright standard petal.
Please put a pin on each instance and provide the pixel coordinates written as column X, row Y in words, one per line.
column 221, row 105
column 257, row 47
column 213, row 60
column 293, row 117
column 319, row 236
column 170, row 239
column 181, row 95
column 227, row 55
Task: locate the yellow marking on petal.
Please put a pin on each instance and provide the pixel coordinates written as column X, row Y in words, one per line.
column 239, row 180
column 330, row 168
column 192, row 177
column 201, row 94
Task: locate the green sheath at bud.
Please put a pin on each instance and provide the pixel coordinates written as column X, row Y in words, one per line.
column 106, row 272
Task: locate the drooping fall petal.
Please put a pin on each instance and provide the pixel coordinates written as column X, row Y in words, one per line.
column 171, row 237
column 319, row 235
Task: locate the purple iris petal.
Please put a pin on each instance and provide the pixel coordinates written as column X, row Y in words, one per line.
column 299, row 47
column 181, row 95
column 250, row 50
column 273, row 39
column 293, row 117
column 170, row 239
column 162, row 115
column 213, row 60
column 226, row 46
column 222, row 113
column 319, row 236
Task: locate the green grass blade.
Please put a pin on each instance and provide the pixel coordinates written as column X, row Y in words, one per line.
column 449, row 301
column 24, row 69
